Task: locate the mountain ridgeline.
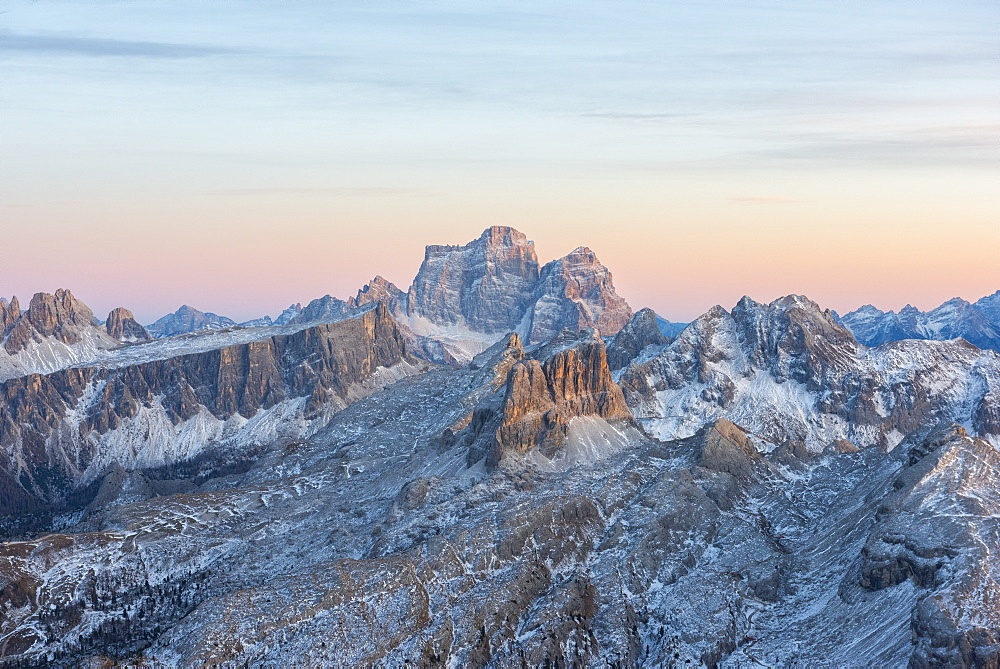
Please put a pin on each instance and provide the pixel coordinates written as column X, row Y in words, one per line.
column 502, row 465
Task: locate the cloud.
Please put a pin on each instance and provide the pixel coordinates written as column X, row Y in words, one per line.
column 100, row 47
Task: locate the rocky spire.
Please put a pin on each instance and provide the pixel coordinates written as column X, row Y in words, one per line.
column 121, row 325
column 10, row 312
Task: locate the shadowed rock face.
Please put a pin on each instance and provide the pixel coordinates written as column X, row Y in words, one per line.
column 72, row 408
column 121, row 325
column 575, row 292
column 486, row 284
column 60, row 316
column 641, row 331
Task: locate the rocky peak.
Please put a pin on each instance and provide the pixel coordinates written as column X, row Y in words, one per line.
column 641, row 331
column 121, row 325
column 288, row 314
column 326, row 308
column 188, row 319
column 382, row 290
column 793, row 337
column 10, row 312
column 726, row 447
column 574, row 292
column 542, row 394
column 60, row 316
column 485, row 285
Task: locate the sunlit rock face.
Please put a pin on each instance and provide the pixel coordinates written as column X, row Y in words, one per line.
column 574, row 292
column 121, row 325
column 485, row 285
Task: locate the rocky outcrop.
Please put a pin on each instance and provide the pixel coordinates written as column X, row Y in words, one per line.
column 485, row 285
column 726, row 447
column 574, row 292
column 58, row 316
column 55, row 424
column 188, row 319
column 382, row 290
column 121, row 325
column 541, row 396
column 10, row 313
column 641, row 331
column 324, row 309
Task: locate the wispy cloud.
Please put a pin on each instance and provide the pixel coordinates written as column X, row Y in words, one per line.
column 101, row 47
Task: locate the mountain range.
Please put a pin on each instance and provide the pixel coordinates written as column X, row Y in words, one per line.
column 977, row 323
column 503, row 465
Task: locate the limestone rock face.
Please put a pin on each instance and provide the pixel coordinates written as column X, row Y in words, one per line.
column 382, row 290
column 486, row 284
column 121, row 325
column 188, row 319
column 325, row 365
column 10, row 313
column 574, row 292
column 726, row 447
column 641, row 331
column 568, row 379
column 60, row 316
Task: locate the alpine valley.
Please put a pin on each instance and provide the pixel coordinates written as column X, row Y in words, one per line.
column 500, row 465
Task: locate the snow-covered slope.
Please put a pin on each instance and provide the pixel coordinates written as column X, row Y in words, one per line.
column 788, row 372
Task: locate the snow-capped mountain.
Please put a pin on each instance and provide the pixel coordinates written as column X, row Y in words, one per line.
column 978, row 323
column 790, row 373
column 757, row 489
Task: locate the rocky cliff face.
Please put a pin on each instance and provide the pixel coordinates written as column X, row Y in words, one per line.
column 790, row 373
column 55, row 331
column 381, row 290
column 575, row 292
column 977, row 323
column 121, row 325
column 532, row 413
column 10, row 313
column 68, row 428
column 641, row 331
column 464, row 297
column 485, row 285
column 188, row 319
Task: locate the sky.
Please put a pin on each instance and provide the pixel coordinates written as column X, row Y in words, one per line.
column 241, row 156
